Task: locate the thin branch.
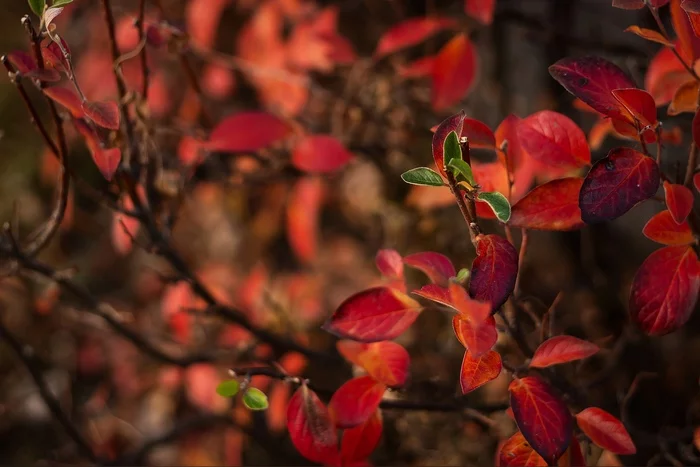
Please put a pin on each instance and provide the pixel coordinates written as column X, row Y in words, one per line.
column 28, row 359
column 145, row 72
column 194, row 83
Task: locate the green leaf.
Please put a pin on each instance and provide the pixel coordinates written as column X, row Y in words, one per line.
column 227, row 388
column 498, row 203
column 255, row 399
column 461, row 168
column 451, row 148
column 422, row 176
column 463, row 275
column 37, row 6
column 61, row 3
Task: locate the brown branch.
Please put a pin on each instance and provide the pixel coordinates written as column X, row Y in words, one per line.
column 145, row 72
column 28, row 359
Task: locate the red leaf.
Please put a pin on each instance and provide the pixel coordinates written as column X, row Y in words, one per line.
column 248, row 132
column 479, row 340
column 22, row 61
column 679, row 201
column 104, row 114
column 386, row 361
column 554, row 139
column 374, row 315
column 453, row 72
column 454, row 123
column 562, row 349
column 605, row 430
column 493, row 271
column 542, row 417
column 359, row 442
column 436, row 266
column 320, row 154
column 551, row 206
column 474, row 310
column 389, row 263
column 664, row 75
column 480, row 10
column 642, row 110
column 665, row 290
column 67, row 97
column 411, row 32
column 477, row 371
column 436, row 293
column 107, row 161
column 517, row 452
column 310, row 427
column 662, row 228
column 303, row 209
column 592, row 79
column 691, row 6
column 478, row 134
column 616, row 183
column 573, row 457
column 355, row 401
column 124, row 229
column 421, row 68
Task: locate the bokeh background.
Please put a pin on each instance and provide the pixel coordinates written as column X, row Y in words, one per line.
column 258, row 240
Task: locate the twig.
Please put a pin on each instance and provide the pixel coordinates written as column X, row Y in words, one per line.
column 26, row 355
column 144, row 55
column 194, row 83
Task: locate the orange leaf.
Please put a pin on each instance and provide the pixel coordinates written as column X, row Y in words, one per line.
column 473, row 310
column 355, row 401
column 320, row 154
column 454, row 72
column 517, row 452
column 684, row 99
column 410, row 32
column 477, row 371
column 303, row 210
column 310, row 427
column 679, row 201
column 650, row 35
column 480, row 340
column 386, row 361
column 542, row 416
column 436, row 293
column 605, row 430
column 664, row 75
column 374, row 315
column 662, row 228
column 562, row 349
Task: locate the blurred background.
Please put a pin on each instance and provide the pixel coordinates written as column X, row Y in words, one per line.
column 289, row 247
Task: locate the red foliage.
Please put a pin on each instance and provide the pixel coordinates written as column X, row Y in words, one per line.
column 662, row 228
column 454, row 72
column 355, row 401
column 320, row 154
column 605, row 430
column 411, row 32
column 477, row 371
column 386, row 361
column 494, row 270
column 561, row 349
column 311, row 428
column 550, row 206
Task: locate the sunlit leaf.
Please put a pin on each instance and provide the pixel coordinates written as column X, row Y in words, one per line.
column 386, row 361
column 320, row 154
column 605, row 430
column 685, row 98
column 355, row 401
column 679, row 201
column 477, row 371
column 359, row 442
column 310, row 427
column 616, row 183
column 67, row 97
column 255, row 399
column 517, row 452
column 592, row 79
column 650, row 35
column 451, row 149
column 554, row 139
column 37, row 6
column 562, row 349
column 551, row 206
column 50, row 14
column 389, row 263
column 662, row 228
column 303, row 209
column 665, row 290
column 498, row 203
column 422, row 176
column 640, row 105
column 462, row 171
column 665, row 75
column 248, row 132
column 494, row 270
column 542, row 417
column 411, row 32
column 454, row 72
column 374, row 315
column 435, row 293
column 478, row 134
column 436, row 266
